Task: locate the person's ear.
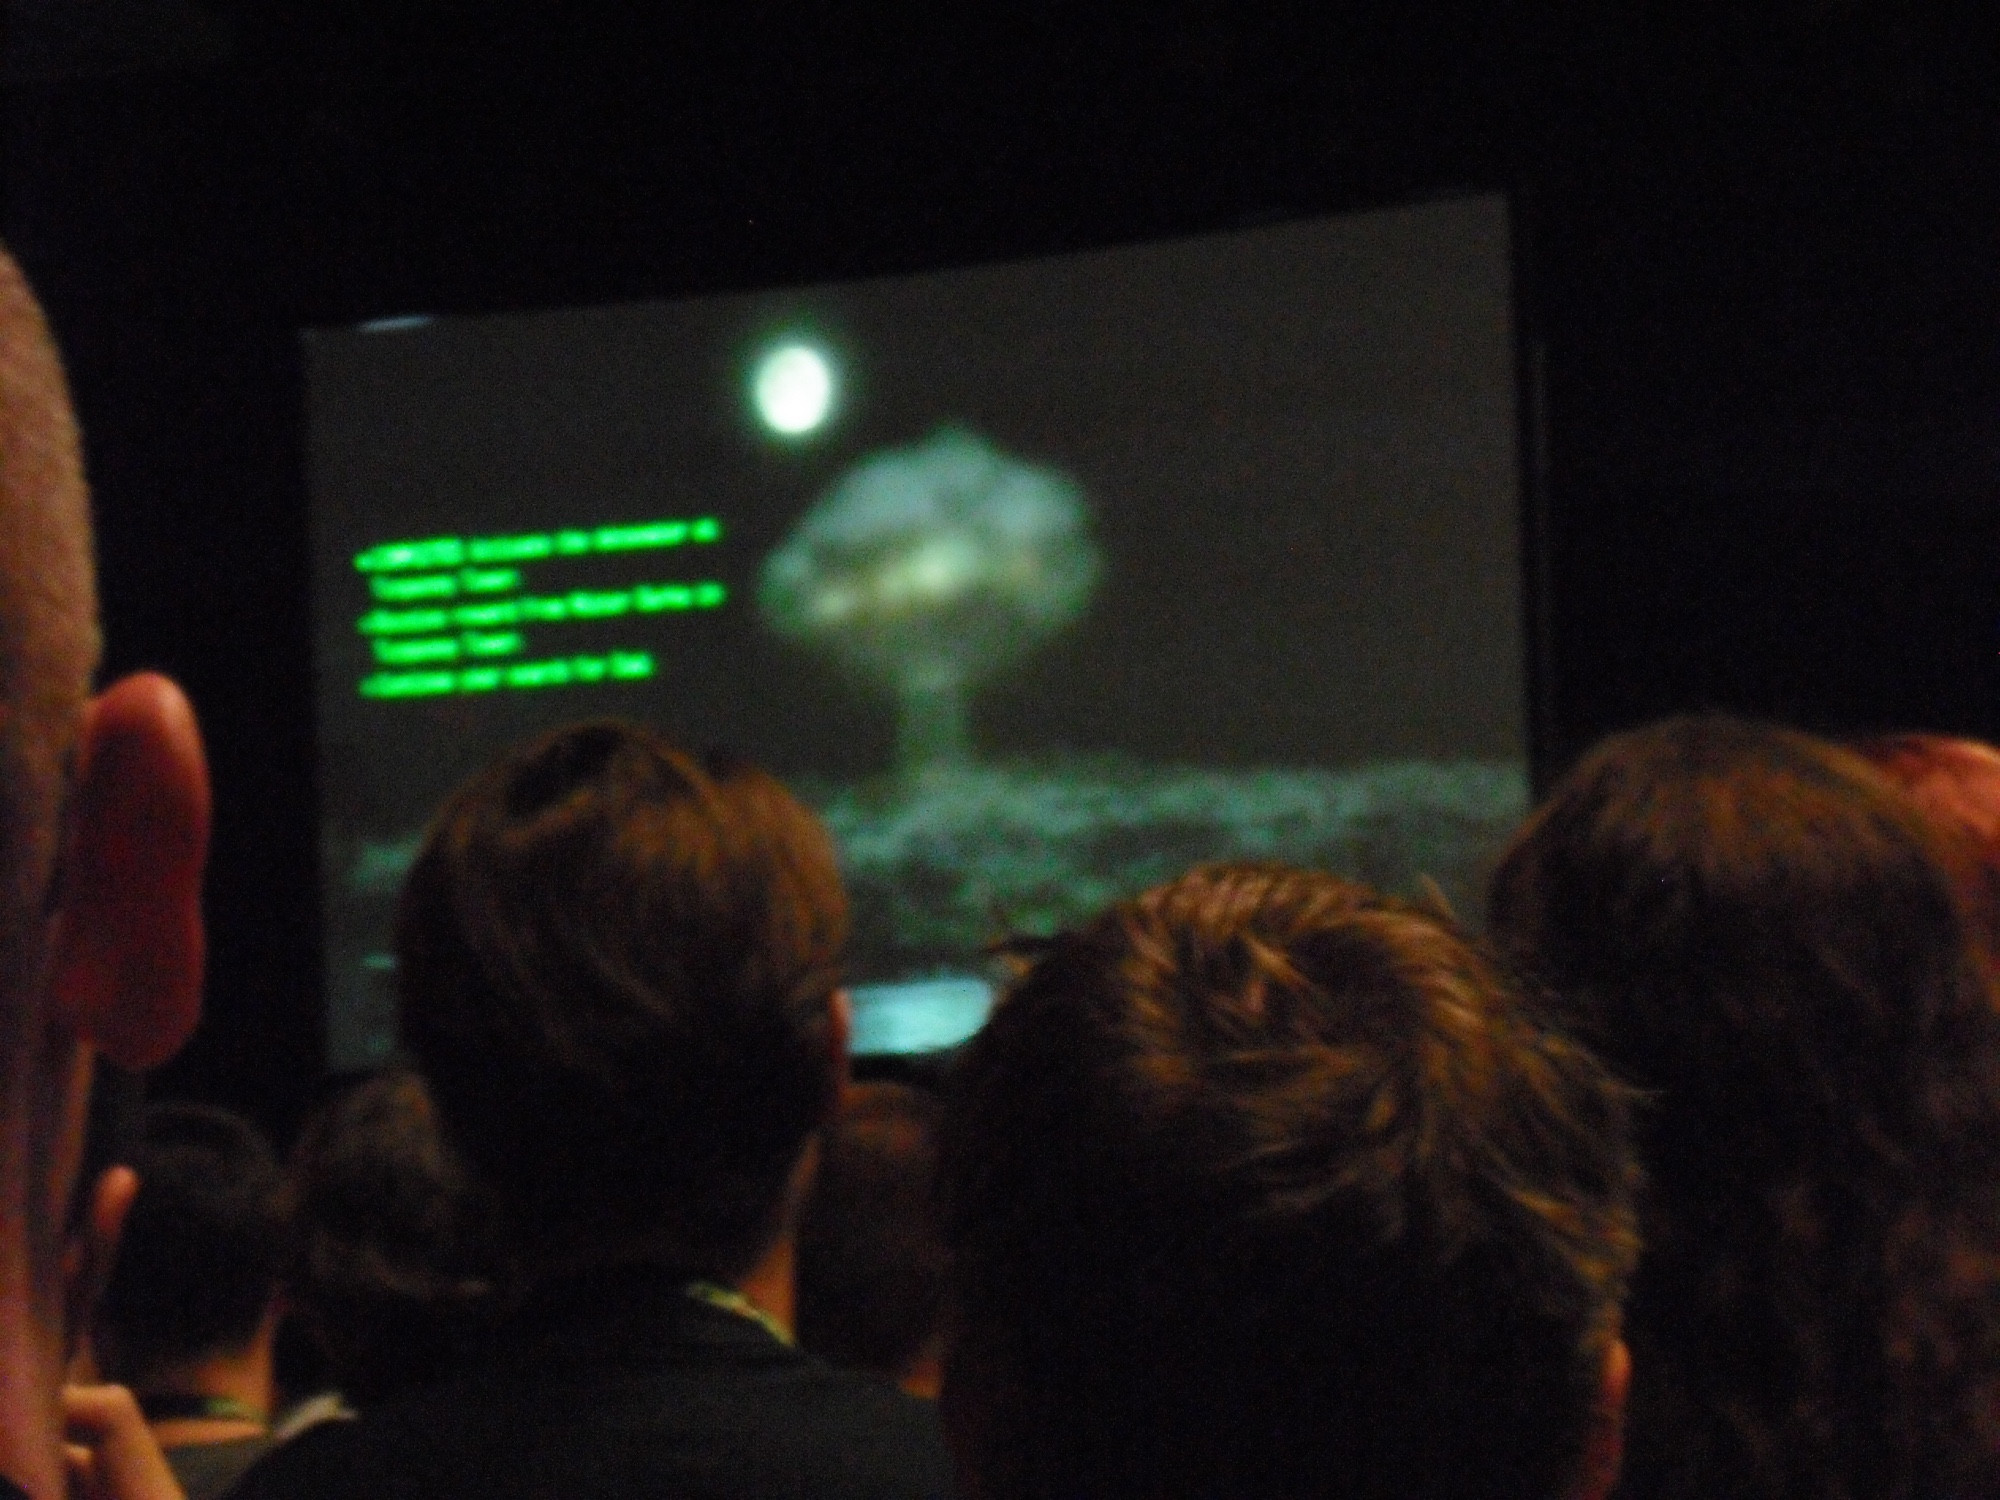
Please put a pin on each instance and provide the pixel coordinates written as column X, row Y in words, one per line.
column 1604, row 1442
column 127, row 902
column 92, row 1248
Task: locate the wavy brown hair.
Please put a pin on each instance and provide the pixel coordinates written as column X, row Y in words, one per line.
column 1762, row 932
column 1264, row 1185
column 1956, row 781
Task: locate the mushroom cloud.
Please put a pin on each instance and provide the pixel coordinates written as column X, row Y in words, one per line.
column 928, row 568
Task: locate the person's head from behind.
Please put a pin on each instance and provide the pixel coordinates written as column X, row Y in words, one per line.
column 103, row 824
column 1957, row 782
column 1758, row 930
column 870, row 1260
column 1262, row 1184
column 618, row 965
column 196, row 1281
column 397, row 1258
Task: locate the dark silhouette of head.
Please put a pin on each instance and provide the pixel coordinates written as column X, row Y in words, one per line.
column 1262, row 1184
column 871, row 1261
column 618, row 966
column 398, row 1258
column 1758, row 930
column 198, row 1269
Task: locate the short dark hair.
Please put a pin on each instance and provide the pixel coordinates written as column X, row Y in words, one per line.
column 398, row 1258
column 870, row 1257
column 1263, row 1184
column 203, row 1247
column 1759, row 930
column 616, row 962
column 48, row 634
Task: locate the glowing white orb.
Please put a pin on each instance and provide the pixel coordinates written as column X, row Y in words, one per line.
column 793, row 388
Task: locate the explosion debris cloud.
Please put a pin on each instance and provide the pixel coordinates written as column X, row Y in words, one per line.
column 928, row 568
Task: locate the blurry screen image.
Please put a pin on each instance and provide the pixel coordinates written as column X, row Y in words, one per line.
column 1041, row 581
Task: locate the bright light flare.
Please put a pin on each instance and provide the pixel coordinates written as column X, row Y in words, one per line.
column 793, row 389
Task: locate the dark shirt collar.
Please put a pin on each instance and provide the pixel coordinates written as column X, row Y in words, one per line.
column 627, row 1312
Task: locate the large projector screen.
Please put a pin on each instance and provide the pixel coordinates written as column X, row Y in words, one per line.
column 1041, row 581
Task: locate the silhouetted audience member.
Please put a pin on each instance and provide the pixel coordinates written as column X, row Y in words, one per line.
column 191, row 1312
column 871, row 1262
column 619, row 973
column 104, row 809
column 399, row 1260
column 1264, row 1185
column 1756, row 928
column 1957, row 782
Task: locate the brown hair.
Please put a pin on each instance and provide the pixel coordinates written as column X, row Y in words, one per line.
column 1756, row 928
column 1262, row 1184
column 1957, row 782
column 616, row 963
column 397, row 1257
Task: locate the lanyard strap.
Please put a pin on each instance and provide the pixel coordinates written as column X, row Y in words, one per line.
column 183, row 1406
column 735, row 1302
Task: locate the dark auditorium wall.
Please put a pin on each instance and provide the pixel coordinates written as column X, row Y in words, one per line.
column 1760, row 275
